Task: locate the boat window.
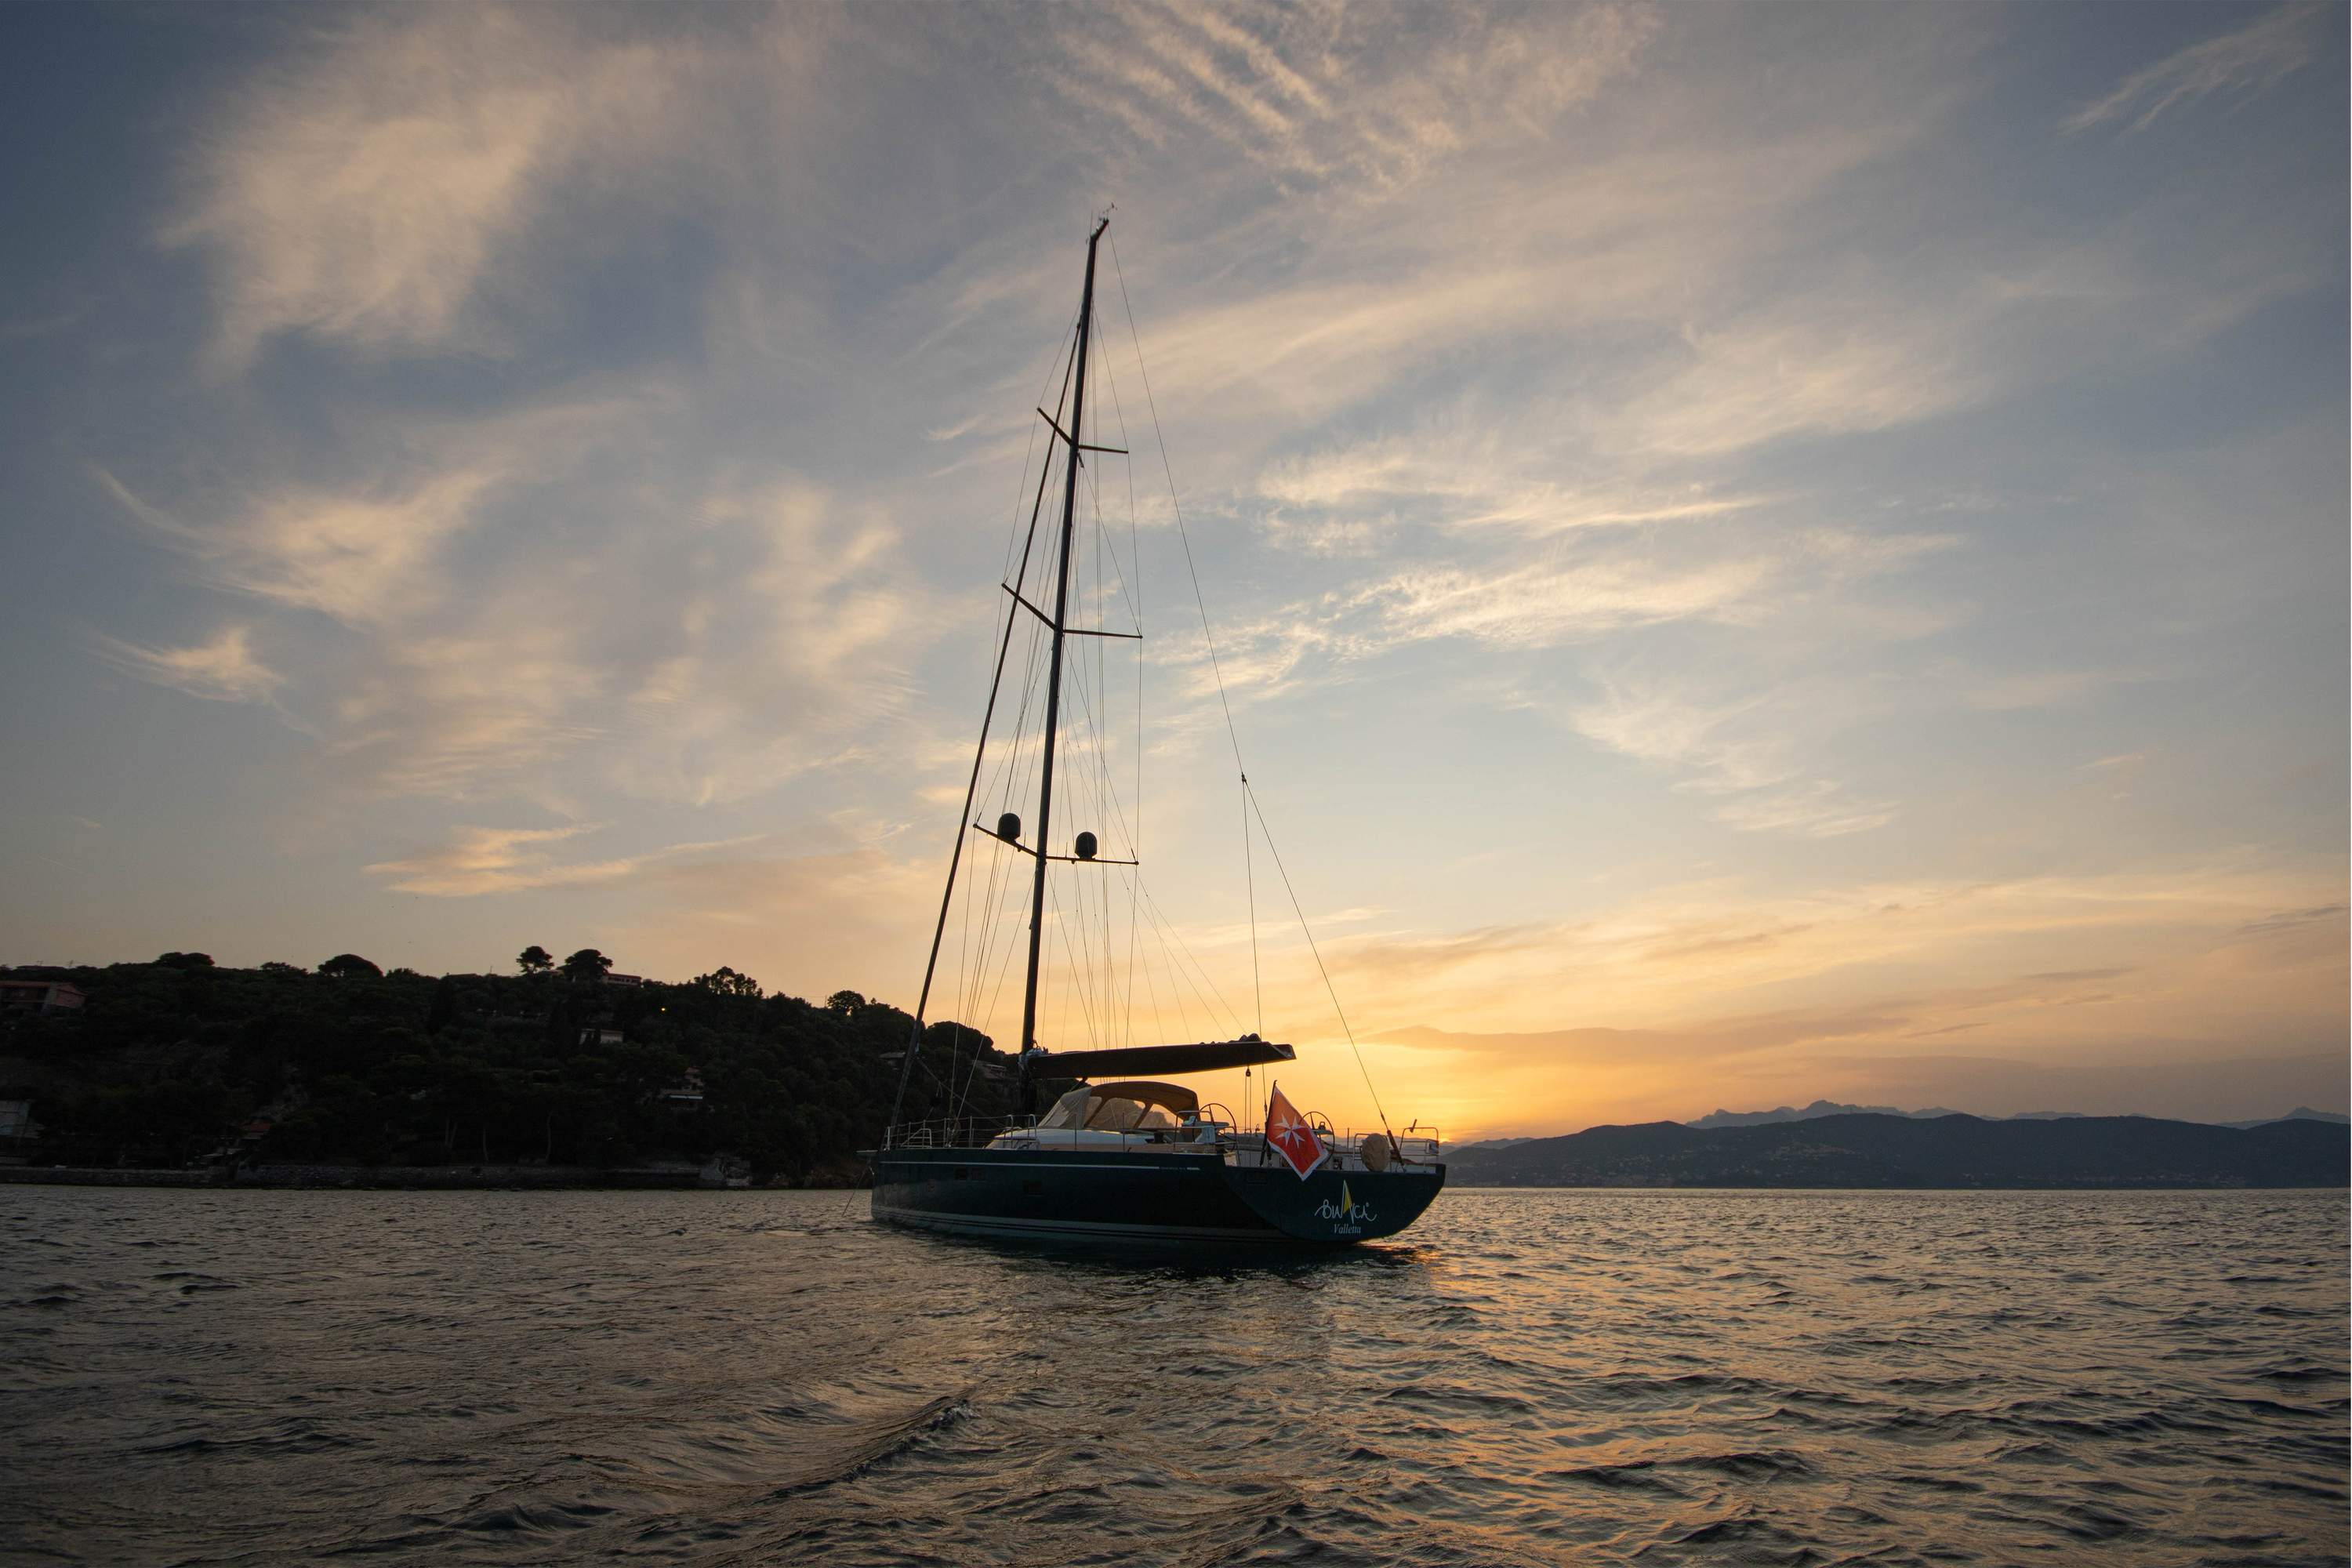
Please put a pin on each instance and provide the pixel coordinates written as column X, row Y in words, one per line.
column 1070, row 1110
column 1115, row 1115
column 1155, row 1117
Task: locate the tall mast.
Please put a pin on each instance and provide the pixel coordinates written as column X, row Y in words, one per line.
column 1053, row 680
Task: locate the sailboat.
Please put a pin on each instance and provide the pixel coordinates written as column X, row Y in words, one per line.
column 1121, row 1154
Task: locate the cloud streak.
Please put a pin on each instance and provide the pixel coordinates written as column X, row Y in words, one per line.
column 224, row 669
column 2248, row 62
column 371, row 196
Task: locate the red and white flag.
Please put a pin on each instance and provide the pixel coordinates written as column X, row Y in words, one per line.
column 1287, row 1132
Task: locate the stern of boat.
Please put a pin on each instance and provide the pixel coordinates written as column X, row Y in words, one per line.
column 1337, row 1207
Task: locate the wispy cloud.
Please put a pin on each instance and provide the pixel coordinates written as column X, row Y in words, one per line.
column 2176, row 952
column 1320, row 96
column 224, row 669
column 2248, row 62
column 2046, row 689
column 1459, row 479
column 1547, row 603
column 477, row 861
column 1744, row 750
column 410, row 182
column 737, row 667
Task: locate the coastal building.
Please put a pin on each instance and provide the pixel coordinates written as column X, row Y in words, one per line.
column 595, row 1037
column 631, row 981
column 41, row 995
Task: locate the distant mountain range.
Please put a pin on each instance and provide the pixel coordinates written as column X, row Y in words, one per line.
column 1878, row 1150
column 1822, row 1108
column 2300, row 1114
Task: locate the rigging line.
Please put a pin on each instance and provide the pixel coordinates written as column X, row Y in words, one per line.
column 1135, row 602
column 991, row 900
column 1177, row 506
column 1318, row 951
column 1208, row 639
column 1016, row 775
column 1012, row 527
column 1095, row 480
column 971, row 785
column 963, row 959
column 1008, row 771
column 1009, row 774
column 1102, row 748
column 1249, row 883
column 1078, row 986
column 1106, row 802
column 1003, row 969
column 1131, row 590
column 1169, row 928
column 1207, row 999
column 1099, row 784
column 1177, row 981
column 1144, row 964
column 985, row 897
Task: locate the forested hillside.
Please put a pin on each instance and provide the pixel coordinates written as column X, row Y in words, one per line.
column 168, row 1063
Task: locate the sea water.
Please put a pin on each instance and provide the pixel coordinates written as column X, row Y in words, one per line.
column 1529, row 1376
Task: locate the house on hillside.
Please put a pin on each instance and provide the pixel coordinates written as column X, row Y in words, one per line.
column 41, row 995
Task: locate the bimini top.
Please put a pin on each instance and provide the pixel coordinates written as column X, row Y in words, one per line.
column 1153, row 1062
column 1121, row 1107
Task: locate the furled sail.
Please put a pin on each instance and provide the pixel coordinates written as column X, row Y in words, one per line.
column 1154, row 1061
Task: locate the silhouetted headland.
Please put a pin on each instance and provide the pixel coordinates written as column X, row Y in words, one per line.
column 559, row 1075
column 1951, row 1150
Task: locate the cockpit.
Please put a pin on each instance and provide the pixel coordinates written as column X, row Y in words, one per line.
column 1126, row 1114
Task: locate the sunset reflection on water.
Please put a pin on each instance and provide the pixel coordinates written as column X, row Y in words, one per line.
column 1561, row 1376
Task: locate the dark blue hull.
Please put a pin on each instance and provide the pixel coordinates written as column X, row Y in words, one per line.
column 1157, row 1197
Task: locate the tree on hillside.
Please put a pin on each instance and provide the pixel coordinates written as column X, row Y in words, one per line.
column 534, row 959
column 725, row 982
column 844, row 1001
column 586, row 966
column 444, row 1010
column 350, row 966
column 186, row 961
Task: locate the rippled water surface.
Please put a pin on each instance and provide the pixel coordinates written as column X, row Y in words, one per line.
column 1537, row 1377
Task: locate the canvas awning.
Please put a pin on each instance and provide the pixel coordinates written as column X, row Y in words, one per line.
column 1130, row 1103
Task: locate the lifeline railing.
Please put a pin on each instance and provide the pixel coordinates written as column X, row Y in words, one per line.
column 1418, row 1144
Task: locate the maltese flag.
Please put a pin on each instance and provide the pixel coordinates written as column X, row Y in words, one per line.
column 1287, row 1132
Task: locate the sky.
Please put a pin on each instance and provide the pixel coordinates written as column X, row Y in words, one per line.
column 1753, row 553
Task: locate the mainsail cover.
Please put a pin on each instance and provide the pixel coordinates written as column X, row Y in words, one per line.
column 1157, row 1061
